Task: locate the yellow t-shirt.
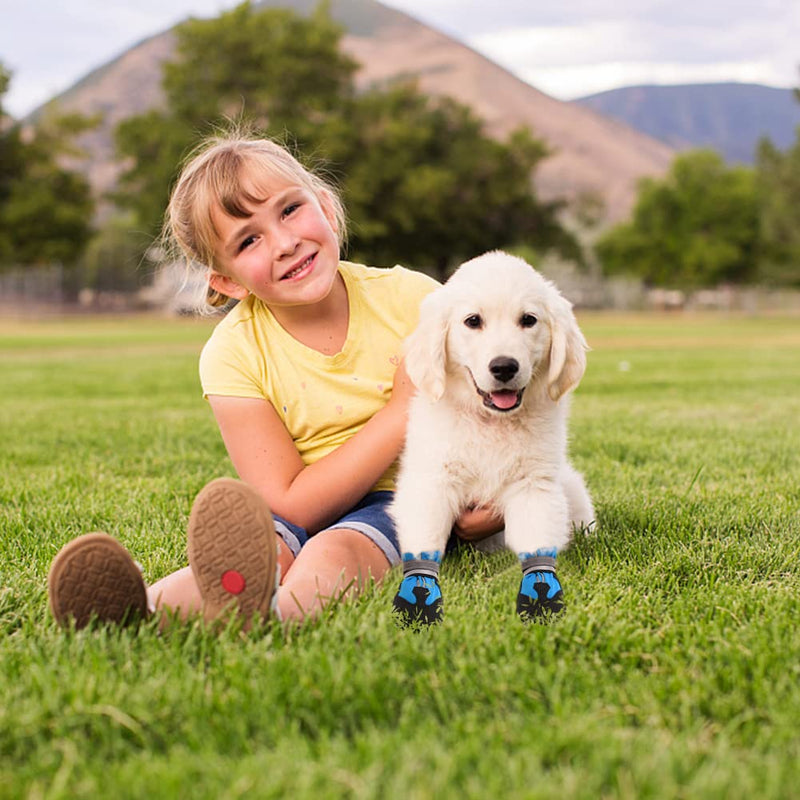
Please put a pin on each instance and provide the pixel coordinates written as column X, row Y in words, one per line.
column 322, row 400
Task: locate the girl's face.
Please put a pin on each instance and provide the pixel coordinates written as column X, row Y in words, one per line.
column 286, row 253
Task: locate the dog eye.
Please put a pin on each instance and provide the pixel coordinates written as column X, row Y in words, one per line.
column 527, row 320
column 474, row 321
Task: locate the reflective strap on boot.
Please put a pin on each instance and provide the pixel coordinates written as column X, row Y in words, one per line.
column 538, row 564
column 421, row 567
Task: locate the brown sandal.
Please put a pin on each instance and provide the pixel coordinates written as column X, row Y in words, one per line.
column 233, row 550
column 94, row 577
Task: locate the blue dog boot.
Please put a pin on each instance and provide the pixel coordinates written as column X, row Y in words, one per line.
column 419, row 598
column 540, row 593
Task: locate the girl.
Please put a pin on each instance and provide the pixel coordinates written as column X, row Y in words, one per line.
column 305, row 382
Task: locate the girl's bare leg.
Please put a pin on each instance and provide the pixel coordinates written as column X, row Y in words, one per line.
column 333, row 564
column 178, row 592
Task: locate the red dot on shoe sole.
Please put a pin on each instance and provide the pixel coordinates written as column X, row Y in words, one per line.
column 233, row 582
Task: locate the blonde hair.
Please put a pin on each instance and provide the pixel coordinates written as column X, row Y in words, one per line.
column 214, row 178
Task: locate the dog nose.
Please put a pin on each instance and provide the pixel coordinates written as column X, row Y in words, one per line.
column 503, row 368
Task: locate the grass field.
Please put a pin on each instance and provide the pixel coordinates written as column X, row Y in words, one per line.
column 674, row 673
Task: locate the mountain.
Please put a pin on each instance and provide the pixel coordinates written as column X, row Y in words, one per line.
column 590, row 152
column 727, row 117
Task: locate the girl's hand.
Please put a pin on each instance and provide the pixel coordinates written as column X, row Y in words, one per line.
column 477, row 523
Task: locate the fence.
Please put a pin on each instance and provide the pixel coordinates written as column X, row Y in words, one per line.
column 32, row 285
column 174, row 292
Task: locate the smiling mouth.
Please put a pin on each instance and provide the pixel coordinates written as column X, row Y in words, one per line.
column 299, row 269
column 503, row 400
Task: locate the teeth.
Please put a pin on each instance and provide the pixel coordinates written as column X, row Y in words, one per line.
column 299, row 269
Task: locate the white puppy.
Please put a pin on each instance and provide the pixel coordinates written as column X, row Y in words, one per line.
column 496, row 350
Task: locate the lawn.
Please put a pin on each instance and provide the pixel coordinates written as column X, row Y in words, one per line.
column 674, row 672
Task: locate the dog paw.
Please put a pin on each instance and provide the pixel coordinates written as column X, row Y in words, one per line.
column 540, row 596
column 418, row 600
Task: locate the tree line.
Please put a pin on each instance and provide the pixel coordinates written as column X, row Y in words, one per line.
column 422, row 182
column 45, row 209
column 707, row 223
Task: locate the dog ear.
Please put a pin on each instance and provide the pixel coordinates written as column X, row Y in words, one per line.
column 425, row 349
column 567, row 349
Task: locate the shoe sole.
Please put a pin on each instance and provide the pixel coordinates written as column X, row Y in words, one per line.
column 233, row 550
column 94, row 577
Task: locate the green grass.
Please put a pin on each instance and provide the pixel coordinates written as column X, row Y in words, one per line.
column 674, row 673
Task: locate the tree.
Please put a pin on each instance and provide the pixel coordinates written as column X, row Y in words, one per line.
column 779, row 213
column 425, row 186
column 5, row 79
column 422, row 183
column 283, row 71
column 697, row 227
column 154, row 144
column 45, row 209
column 276, row 70
column 778, row 181
column 112, row 261
column 11, row 161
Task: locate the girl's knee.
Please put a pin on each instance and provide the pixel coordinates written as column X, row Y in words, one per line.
column 333, row 565
column 348, row 549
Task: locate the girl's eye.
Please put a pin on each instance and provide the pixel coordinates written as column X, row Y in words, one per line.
column 474, row 321
column 246, row 242
column 290, row 209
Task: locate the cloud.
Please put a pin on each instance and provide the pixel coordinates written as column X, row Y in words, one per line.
column 566, row 49
column 51, row 44
column 583, row 46
column 569, row 61
column 473, row 17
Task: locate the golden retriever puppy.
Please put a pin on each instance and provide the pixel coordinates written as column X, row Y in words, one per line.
column 494, row 357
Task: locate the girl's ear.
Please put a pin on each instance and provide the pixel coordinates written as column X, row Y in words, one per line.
column 227, row 286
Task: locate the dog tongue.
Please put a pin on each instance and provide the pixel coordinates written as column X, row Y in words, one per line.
column 504, row 400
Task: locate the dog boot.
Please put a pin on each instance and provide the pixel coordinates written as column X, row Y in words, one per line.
column 540, row 593
column 94, row 577
column 233, row 551
column 419, row 598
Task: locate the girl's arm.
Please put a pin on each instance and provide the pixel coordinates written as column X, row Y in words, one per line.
column 264, row 455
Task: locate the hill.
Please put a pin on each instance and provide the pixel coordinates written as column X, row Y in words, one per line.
column 727, row 117
column 591, row 153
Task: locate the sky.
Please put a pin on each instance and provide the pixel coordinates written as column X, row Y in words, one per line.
column 567, row 50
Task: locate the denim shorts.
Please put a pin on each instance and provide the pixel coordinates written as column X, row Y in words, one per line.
column 370, row 517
